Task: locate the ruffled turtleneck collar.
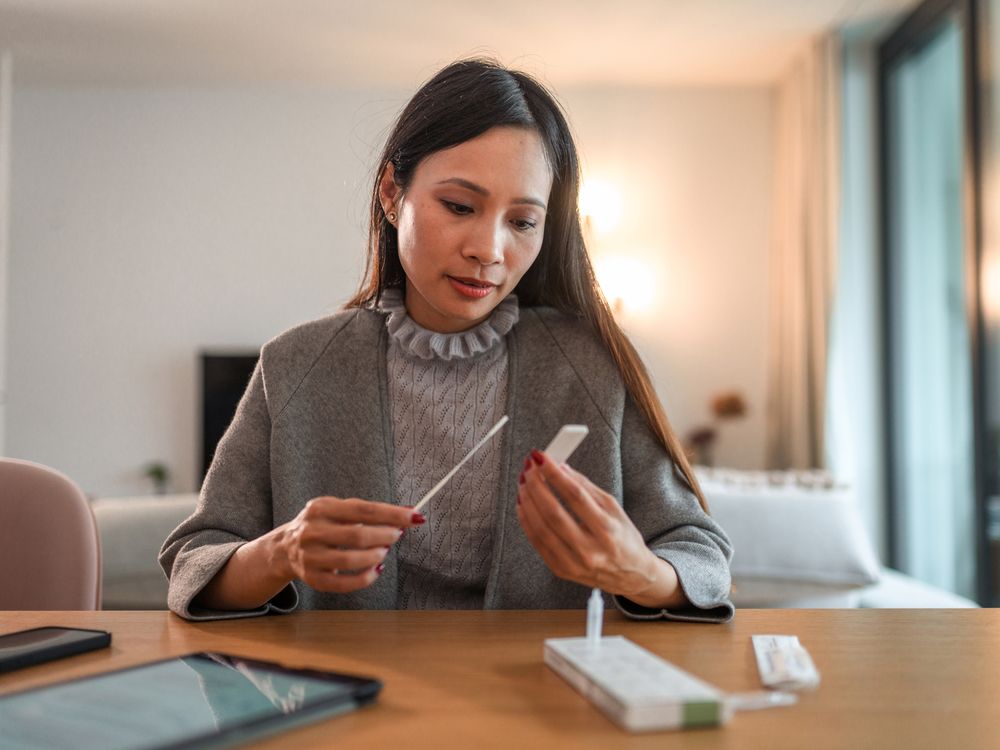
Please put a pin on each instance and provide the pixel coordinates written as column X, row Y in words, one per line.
column 419, row 342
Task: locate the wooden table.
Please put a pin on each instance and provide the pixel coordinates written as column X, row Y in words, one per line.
column 890, row 678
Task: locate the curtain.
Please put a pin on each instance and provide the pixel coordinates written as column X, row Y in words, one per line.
column 6, row 96
column 803, row 255
column 855, row 406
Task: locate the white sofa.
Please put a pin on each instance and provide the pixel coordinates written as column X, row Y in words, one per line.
column 132, row 529
column 798, row 543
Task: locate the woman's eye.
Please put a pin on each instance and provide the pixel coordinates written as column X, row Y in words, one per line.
column 457, row 208
column 525, row 225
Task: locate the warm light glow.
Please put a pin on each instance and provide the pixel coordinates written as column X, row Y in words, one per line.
column 600, row 205
column 991, row 288
column 626, row 282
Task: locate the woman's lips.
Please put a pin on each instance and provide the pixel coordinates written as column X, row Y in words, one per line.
column 471, row 287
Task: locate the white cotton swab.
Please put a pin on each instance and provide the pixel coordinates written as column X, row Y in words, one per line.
column 444, row 480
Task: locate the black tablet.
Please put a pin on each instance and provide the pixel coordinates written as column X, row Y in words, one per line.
column 202, row 700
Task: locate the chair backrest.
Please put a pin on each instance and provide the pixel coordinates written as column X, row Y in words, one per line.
column 50, row 552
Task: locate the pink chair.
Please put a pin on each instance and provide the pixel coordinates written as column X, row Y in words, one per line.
column 50, row 553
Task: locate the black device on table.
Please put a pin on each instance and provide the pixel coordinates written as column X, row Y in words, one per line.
column 200, row 700
column 25, row 648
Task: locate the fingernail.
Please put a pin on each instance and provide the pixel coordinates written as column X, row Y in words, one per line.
column 520, row 479
column 527, row 464
column 418, row 518
column 379, row 568
column 538, row 457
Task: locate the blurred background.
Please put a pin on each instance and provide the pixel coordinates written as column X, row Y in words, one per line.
column 792, row 205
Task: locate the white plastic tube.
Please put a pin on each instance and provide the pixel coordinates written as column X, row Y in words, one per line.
column 595, row 617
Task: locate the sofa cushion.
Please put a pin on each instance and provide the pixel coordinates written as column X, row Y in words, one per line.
column 132, row 530
column 898, row 591
column 798, row 539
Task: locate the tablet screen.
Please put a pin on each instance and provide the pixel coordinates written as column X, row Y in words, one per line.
column 191, row 701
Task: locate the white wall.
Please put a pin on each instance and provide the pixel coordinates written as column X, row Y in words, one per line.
column 147, row 225
column 694, row 170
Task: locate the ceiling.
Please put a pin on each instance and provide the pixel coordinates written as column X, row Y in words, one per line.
column 396, row 44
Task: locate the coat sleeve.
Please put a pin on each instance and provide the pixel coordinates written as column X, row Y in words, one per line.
column 234, row 507
column 668, row 515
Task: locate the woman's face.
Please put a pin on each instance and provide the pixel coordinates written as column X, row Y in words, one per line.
column 470, row 224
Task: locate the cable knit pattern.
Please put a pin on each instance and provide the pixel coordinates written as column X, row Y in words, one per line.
column 419, row 342
column 446, row 391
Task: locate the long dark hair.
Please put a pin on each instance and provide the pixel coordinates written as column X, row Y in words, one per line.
column 463, row 101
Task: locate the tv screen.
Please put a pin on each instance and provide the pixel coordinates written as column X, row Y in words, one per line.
column 224, row 378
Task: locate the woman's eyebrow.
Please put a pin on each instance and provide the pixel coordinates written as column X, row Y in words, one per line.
column 469, row 185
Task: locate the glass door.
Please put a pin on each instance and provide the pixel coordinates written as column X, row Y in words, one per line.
column 989, row 283
column 931, row 308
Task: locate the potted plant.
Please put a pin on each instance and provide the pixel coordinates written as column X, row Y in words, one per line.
column 700, row 441
column 158, row 473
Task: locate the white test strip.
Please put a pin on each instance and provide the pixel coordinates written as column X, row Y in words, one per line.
column 444, row 480
column 760, row 699
column 566, row 441
column 784, row 663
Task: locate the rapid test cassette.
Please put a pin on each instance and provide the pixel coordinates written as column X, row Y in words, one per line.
column 566, row 441
column 635, row 688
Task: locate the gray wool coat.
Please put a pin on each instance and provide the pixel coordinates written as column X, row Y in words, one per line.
column 315, row 421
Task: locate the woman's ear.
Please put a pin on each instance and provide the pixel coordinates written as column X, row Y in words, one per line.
column 389, row 192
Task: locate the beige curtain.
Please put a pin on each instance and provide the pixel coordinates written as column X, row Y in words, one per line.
column 803, row 254
column 6, row 97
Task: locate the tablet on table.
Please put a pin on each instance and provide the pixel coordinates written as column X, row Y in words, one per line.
column 201, row 700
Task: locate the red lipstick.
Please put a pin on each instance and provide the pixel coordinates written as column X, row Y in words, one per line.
column 470, row 287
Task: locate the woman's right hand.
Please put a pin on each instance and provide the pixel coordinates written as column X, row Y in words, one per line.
column 338, row 545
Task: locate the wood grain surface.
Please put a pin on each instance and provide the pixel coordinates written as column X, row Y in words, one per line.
column 890, row 678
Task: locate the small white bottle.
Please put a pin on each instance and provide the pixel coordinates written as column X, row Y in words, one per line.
column 595, row 618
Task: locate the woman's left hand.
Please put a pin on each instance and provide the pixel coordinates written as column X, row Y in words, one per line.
column 588, row 538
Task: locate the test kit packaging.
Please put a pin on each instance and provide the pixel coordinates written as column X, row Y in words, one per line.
column 636, row 689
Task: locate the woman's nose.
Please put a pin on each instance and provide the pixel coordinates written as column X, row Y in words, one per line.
column 486, row 243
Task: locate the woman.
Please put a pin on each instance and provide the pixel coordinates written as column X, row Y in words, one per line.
column 479, row 301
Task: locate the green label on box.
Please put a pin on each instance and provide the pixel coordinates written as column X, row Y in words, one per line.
column 701, row 714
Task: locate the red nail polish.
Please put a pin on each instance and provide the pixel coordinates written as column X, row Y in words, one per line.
column 379, row 568
column 527, row 464
column 520, row 480
column 418, row 518
column 538, row 457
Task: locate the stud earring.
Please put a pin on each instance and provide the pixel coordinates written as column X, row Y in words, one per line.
column 391, row 216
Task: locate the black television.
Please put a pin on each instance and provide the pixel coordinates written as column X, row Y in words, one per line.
column 224, row 378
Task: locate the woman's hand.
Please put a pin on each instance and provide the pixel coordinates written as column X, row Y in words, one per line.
column 332, row 545
column 338, row 545
column 588, row 538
